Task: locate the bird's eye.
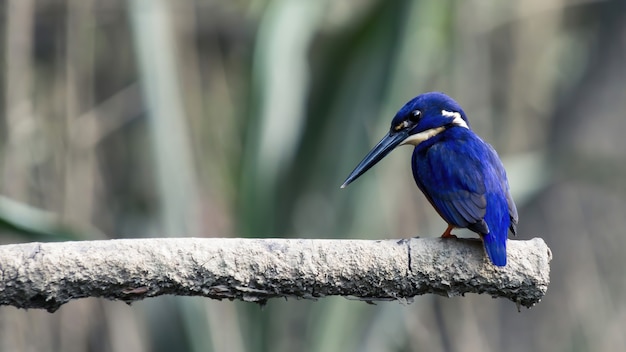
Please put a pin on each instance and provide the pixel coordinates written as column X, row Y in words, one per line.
column 415, row 115
column 410, row 121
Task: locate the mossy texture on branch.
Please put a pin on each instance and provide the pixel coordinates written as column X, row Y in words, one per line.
column 47, row 275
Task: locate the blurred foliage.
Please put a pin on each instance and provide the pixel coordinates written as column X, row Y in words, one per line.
column 208, row 118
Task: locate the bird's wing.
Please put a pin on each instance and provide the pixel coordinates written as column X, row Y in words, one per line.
column 454, row 185
column 509, row 199
column 512, row 212
column 462, row 209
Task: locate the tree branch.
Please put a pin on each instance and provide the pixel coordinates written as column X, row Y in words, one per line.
column 47, row 275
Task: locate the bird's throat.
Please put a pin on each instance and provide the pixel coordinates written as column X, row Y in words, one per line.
column 418, row 138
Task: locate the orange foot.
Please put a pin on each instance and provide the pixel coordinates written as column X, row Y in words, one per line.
column 447, row 234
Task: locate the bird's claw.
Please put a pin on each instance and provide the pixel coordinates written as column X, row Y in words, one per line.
column 448, row 232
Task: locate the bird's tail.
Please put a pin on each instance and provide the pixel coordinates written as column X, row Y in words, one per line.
column 496, row 248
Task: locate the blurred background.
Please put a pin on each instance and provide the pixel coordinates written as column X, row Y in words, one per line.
column 148, row 118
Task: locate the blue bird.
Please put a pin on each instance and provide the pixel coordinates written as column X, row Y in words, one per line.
column 459, row 173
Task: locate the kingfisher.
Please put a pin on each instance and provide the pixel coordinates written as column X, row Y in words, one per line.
column 460, row 174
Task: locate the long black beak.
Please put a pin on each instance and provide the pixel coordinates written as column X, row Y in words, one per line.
column 384, row 147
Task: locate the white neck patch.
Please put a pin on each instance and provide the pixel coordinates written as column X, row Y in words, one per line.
column 418, row 138
column 457, row 120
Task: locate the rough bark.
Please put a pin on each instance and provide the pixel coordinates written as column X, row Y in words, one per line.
column 47, row 275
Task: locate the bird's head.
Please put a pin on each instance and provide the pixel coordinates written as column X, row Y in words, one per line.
column 422, row 118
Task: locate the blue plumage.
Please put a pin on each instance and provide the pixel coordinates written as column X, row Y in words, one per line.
column 460, row 174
